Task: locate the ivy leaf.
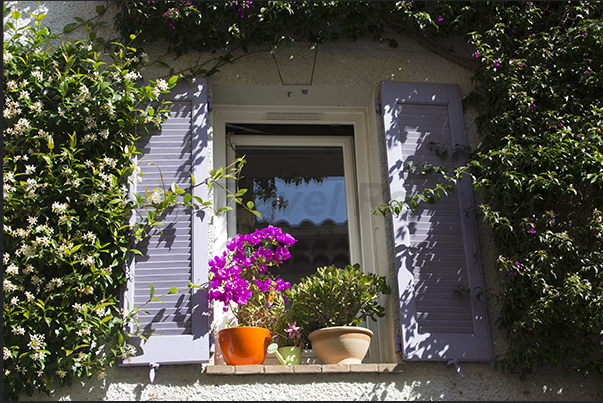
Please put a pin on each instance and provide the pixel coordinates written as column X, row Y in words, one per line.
column 69, row 27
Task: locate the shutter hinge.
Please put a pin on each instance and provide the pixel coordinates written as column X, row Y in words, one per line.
column 397, row 343
column 456, row 364
column 153, row 366
column 210, row 104
column 378, row 105
column 212, row 344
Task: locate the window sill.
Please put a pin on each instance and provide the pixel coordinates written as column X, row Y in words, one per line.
column 382, row 368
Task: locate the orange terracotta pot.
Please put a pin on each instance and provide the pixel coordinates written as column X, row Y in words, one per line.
column 244, row 345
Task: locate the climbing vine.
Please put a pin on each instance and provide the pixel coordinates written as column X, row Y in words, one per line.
column 71, row 118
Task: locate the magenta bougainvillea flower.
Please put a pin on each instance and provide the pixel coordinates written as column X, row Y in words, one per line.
column 240, row 278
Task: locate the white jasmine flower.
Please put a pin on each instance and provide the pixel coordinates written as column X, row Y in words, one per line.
column 89, row 236
column 35, row 280
column 8, row 191
column 12, row 269
column 89, row 261
column 31, row 183
column 162, row 85
column 12, row 109
column 39, row 355
column 27, row 250
column 21, row 127
column 37, row 75
column 11, row 85
column 155, row 197
column 131, row 76
column 43, row 241
column 9, row 177
column 89, row 137
column 8, row 286
column 59, row 208
column 20, row 232
column 84, row 92
column 109, row 161
column 18, row 330
column 36, row 107
column 36, row 341
column 29, row 296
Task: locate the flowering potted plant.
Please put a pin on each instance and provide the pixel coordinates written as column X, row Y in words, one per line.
column 288, row 347
column 241, row 280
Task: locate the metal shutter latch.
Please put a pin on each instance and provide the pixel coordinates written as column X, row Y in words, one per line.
column 456, row 364
column 153, row 366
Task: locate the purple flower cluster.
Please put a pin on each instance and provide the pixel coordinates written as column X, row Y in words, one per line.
column 241, row 271
column 240, row 6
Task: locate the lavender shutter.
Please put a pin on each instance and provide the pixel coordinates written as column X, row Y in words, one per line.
column 436, row 248
column 178, row 254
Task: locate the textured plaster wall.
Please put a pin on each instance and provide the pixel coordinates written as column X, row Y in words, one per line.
column 347, row 66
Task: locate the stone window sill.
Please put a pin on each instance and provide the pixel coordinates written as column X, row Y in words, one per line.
column 385, row 368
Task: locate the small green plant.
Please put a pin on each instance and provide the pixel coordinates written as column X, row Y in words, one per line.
column 301, row 317
column 339, row 296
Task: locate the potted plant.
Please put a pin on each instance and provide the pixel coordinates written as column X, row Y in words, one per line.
column 240, row 279
column 339, row 299
column 287, row 347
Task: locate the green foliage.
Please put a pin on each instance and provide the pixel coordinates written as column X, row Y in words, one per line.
column 337, row 297
column 540, row 171
column 70, row 121
column 230, row 27
column 295, row 313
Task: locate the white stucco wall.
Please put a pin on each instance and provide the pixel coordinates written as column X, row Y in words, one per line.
column 354, row 68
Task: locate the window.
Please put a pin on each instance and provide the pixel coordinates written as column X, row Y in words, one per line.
column 299, row 183
column 317, row 142
column 434, row 251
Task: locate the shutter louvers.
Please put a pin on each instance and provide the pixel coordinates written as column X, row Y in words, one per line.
column 174, row 253
column 436, row 247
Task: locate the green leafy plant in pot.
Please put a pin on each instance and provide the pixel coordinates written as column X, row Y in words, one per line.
column 335, row 301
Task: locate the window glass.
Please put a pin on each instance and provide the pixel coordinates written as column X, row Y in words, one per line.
column 300, row 189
